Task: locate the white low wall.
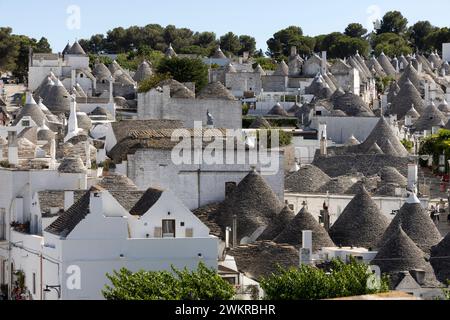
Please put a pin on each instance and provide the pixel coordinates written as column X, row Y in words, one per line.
column 337, row 204
column 340, row 129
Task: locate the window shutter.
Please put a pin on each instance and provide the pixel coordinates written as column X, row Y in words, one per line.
column 158, row 232
column 189, row 232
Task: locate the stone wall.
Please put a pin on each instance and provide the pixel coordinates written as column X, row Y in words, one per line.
column 244, row 81
column 155, row 168
column 274, row 83
column 154, row 105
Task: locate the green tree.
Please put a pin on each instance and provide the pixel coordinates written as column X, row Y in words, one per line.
column 418, row 34
column 339, row 45
column 311, row 283
column 282, row 41
column 436, row 38
column 152, row 82
column 355, row 30
column 265, row 63
column 230, row 43
column 202, row 284
column 248, row 44
column 186, row 70
column 24, row 44
column 9, row 50
column 205, row 39
column 391, row 44
column 393, row 22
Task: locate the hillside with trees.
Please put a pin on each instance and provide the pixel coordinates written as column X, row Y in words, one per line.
column 394, row 36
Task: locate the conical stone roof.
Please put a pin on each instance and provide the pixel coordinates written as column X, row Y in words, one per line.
column 381, row 135
column 400, row 253
column 392, row 175
column 260, row 123
column 280, row 223
column 31, row 109
column 430, row 118
column 218, row 54
column 411, row 74
column 374, row 65
column 308, row 179
column 216, row 90
column 114, row 182
column 352, row 141
column 260, row 70
column 76, row 49
column 177, row 89
column 413, row 113
column 304, row 221
column 170, row 52
column 352, row 105
column 282, row 69
column 407, row 97
column 361, row 224
column 440, row 259
column 101, row 72
column 72, row 165
column 386, row 65
column 278, row 110
column 58, row 99
column 375, row 149
column 444, row 107
column 416, row 223
column 294, row 109
column 143, row 72
column 253, row 202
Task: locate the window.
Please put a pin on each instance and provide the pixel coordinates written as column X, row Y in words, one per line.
column 168, row 228
column 2, row 224
column 25, row 123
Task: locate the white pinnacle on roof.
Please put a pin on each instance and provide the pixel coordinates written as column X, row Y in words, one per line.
column 412, row 199
column 43, row 106
column 29, row 99
column 53, row 77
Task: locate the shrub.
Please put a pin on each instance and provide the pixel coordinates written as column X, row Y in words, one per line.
column 202, row 284
column 152, row 82
column 311, row 283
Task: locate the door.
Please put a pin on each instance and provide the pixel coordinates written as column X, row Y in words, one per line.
column 168, row 228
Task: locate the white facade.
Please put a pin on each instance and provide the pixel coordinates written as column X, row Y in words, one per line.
column 41, row 65
column 340, row 129
column 159, row 105
column 108, row 239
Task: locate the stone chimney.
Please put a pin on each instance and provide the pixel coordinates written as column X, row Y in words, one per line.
column 13, row 149
column 413, row 177
column 323, row 137
column 293, row 51
column 111, row 90
column 324, row 62
column 306, row 250
column 73, row 121
column 73, row 78
column 408, row 121
column 229, row 189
